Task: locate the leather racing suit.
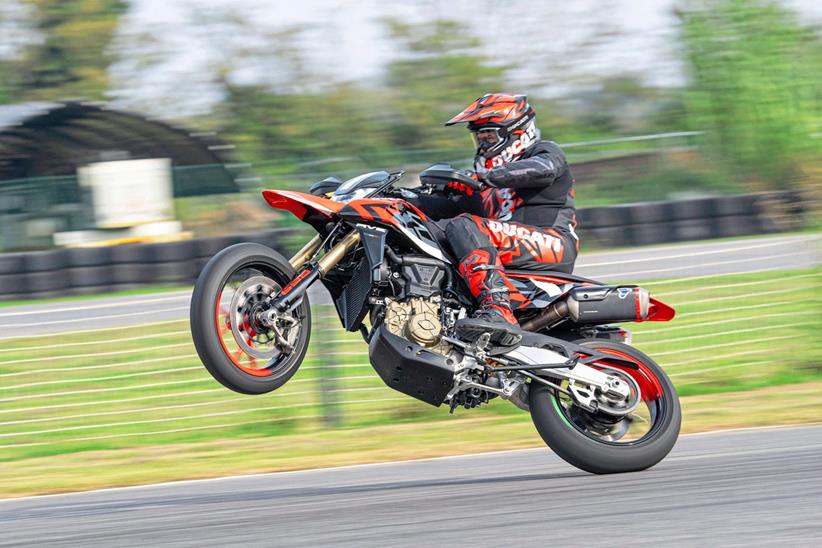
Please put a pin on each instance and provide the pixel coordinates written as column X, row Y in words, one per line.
column 525, row 217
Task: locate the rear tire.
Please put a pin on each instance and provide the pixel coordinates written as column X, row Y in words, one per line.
column 206, row 331
column 599, row 456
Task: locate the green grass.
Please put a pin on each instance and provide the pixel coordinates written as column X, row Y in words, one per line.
column 128, row 389
column 738, row 332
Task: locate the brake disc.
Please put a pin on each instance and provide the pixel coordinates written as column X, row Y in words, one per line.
column 253, row 338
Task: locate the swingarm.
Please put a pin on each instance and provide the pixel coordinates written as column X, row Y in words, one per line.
column 588, row 387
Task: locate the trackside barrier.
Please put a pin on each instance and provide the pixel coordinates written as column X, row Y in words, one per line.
column 698, row 219
column 80, row 271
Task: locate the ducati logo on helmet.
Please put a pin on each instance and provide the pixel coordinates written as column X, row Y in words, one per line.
column 528, row 137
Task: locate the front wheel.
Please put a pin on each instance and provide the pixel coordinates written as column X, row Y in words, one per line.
column 605, row 444
column 229, row 296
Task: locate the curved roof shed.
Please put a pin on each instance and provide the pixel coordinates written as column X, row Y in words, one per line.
column 54, row 139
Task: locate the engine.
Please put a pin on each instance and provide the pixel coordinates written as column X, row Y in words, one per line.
column 417, row 319
column 415, row 313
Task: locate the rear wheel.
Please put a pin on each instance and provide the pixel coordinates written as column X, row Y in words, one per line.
column 603, row 443
column 229, row 297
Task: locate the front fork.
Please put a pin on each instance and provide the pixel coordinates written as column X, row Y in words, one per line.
column 291, row 295
column 308, row 250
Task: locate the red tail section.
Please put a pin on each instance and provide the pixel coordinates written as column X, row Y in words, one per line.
column 659, row 312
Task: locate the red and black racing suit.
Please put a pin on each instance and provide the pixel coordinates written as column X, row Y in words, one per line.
column 526, row 218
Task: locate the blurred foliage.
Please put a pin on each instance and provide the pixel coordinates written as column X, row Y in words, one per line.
column 754, row 87
column 5, row 89
column 753, row 74
column 69, row 58
column 304, row 130
column 352, row 126
column 665, row 181
column 268, row 126
column 435, row 77
column 625, row 104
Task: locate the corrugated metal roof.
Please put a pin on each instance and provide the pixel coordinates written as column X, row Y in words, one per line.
column 12, row 115
column 53, row 139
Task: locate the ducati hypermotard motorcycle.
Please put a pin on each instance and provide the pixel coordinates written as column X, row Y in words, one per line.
column 600, row 404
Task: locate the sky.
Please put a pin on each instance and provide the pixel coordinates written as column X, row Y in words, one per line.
column 551, row 45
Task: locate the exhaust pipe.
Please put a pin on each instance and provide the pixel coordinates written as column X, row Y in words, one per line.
column 551, row 315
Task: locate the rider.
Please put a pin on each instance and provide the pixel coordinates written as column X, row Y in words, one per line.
column 523, row 218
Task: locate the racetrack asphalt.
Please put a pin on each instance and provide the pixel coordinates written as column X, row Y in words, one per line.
column 756, row 487
column 642, row 263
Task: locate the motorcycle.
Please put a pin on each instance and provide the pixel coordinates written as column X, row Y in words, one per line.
column 598, row 403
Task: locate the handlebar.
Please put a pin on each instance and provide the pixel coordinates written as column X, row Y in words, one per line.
column 433, row 179
column 439, row 175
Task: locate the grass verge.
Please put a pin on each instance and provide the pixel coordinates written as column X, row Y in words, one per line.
column 119, row 399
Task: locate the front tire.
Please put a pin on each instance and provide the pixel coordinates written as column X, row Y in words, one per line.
column 236, row 350
column 583, row 441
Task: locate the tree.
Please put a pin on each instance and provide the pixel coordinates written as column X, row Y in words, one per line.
column 273, row 127
column 358, row 126
column 436, row 76
column 754, row 86
column 15, row 36
column 70, row 59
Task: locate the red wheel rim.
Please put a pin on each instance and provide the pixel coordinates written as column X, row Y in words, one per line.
column 236, row 356
column 615, row 430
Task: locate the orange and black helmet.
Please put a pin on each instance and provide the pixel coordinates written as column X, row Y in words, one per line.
column 503, row 126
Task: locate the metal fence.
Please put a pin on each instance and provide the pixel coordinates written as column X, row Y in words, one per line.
column 79, row 387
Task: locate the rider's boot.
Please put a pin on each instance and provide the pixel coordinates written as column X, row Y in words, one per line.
column 484, row 273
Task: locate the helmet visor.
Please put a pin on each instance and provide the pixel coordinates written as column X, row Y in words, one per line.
column 486, row 138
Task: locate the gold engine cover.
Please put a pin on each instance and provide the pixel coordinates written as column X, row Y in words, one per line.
column 417, row 320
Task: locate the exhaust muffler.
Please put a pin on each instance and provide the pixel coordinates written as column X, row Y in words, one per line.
column 595, row 305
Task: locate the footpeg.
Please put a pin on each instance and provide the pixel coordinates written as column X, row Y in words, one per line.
column 471, row 329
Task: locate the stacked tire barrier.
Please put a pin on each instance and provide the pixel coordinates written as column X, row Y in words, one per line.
column 81, row 271
column 697, row 219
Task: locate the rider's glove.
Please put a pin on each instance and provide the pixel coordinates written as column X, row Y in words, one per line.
column 459, row 187
column 456, row 187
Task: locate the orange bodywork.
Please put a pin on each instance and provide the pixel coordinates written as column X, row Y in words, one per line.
column 300, row 203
